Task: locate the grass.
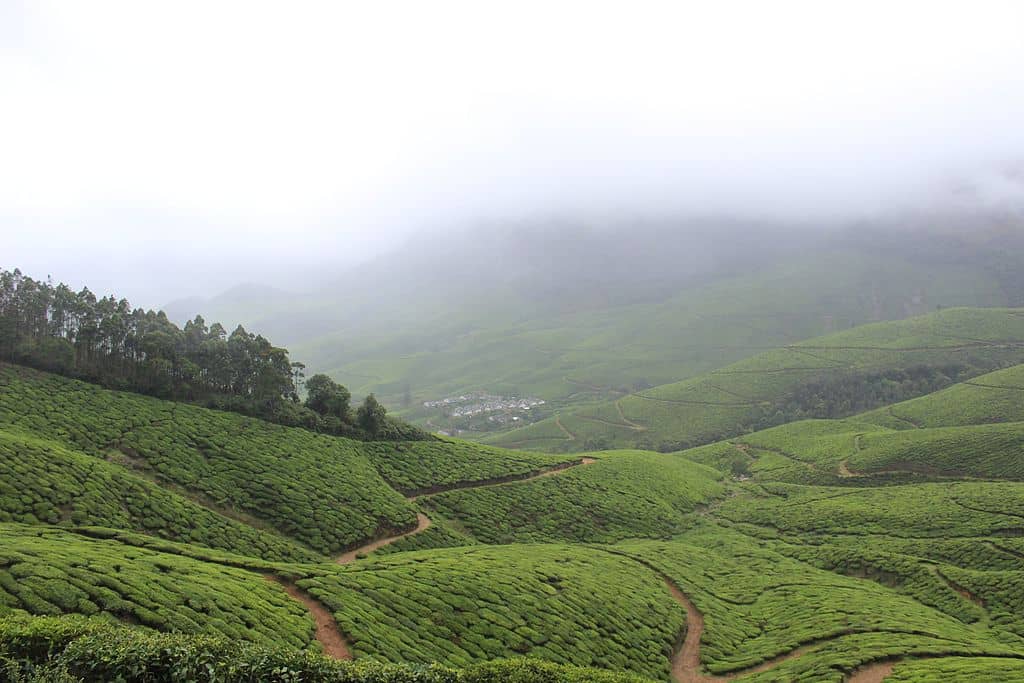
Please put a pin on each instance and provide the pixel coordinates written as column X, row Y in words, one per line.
column 893, row 533
column 679, row 335
column 622, row 494
column 933, row 510
column 993, row 397
column 48, row 650
column 946, row 669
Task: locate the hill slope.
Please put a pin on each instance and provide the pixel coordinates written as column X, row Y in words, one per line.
column 826, row 376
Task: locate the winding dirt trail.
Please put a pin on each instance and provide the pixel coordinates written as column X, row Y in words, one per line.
column 422, row 523
column 327, row 632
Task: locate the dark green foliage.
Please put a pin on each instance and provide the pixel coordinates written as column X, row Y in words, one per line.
column 371, row 416
column 51, row 572
column 319, row 490
column 829, row 376
column 624, row 494
column 327, row 397
column 40, row 481
column 842, row 393
column 107, row 342
column 97, row 651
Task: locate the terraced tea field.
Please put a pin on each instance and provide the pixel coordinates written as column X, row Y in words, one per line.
column 884, row 544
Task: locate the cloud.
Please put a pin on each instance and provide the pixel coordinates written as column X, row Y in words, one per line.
column 320, row 126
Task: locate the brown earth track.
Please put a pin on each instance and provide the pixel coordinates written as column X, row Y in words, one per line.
column 871, row 673
column 327, row 632
column 422, row 523
column 686, row 658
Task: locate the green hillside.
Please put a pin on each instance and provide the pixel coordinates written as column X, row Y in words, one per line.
column 831, row 376
column 43, row 482
column 165, row 538
column 214, row 478
column 698, row 328
column 622, row 494
column 52, row 572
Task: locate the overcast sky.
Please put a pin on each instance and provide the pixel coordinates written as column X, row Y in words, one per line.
column 162, row 148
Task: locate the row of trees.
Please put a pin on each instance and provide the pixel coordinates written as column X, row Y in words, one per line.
column 106, row 341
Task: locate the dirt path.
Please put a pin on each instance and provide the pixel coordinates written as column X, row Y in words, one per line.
column 422, row 523
column 686, row 660
column 871, row 673
column 327, row 632
column 568, row 435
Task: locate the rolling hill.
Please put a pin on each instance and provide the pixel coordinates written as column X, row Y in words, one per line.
column 579, row 316
column 145, row 540
column 829, row 376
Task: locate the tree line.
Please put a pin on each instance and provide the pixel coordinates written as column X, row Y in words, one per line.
column 105, row 341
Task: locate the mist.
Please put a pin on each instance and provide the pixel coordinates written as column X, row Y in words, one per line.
column 176, row 151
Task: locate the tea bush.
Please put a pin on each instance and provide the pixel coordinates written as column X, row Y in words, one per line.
column 41, row 481
column 560, row 603
column 47, row 571
column 623, row 494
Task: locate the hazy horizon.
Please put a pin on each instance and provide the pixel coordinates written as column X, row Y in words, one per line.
column 170, row 152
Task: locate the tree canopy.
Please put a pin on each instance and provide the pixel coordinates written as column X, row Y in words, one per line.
column 106, row 341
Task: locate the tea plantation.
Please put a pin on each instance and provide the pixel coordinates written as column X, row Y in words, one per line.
column 623, row 494
column 422, row 466
column 560, row 603
column 50, row 572
column 142, row 540
column 319, row 490
column 41, row 481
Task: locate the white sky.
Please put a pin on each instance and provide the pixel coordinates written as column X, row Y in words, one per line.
column 159, row 148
